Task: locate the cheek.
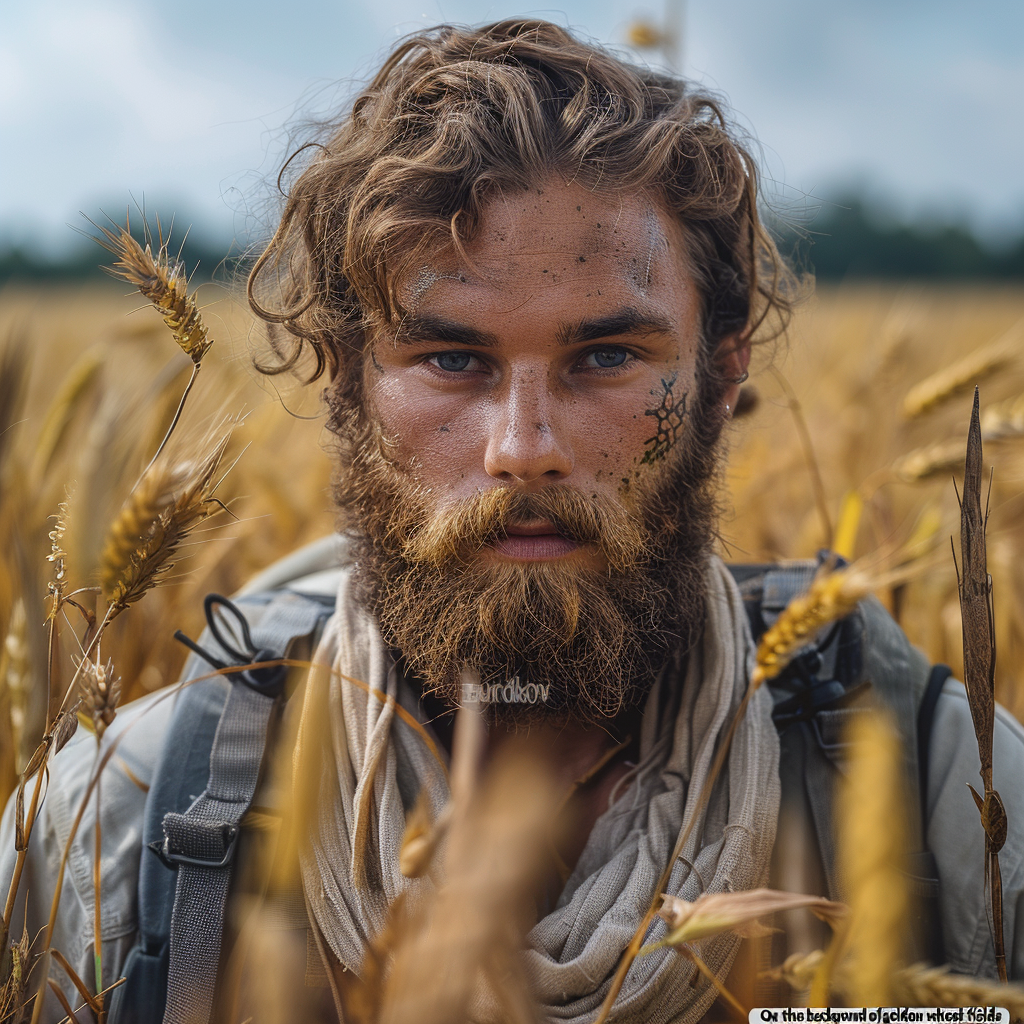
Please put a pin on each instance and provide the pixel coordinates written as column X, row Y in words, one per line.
column 436, row 437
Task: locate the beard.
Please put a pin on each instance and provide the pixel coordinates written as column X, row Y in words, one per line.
column 591, row 641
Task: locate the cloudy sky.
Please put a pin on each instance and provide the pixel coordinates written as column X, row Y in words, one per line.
column 188, row 104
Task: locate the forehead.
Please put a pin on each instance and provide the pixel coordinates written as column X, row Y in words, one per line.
column 559, row 243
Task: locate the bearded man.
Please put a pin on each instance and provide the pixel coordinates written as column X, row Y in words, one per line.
column 533, row 275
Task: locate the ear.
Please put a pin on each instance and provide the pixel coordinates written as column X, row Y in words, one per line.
column 731, row 360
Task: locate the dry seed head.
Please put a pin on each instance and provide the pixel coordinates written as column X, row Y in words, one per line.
column 165, row 285
column 1004, row 419
column 57, row 553
column 14, row 987
column 954, row 379
column 831, row 596
column 101, row 692
column 132, row 529
column 920, row 985
column 917, row 985
column 17, row 676
column 170, row 501
column 797, row 970
column 924, row 463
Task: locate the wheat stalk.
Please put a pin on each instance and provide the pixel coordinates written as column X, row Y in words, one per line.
column 871, row 856
column 975, row 586
column 171, row 499
column 831, row 596
column 164, row 283
column 952, row 380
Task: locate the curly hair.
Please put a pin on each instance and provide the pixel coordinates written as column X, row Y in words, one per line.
column 457, row 113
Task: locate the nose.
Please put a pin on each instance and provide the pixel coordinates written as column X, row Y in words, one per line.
column 527, row 441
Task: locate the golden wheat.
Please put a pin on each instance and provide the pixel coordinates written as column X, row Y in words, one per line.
column 964, row 373
column 172, row 498
column 831, row 596
column 916, row 985
column 17, row 671
column 165, row 285
column 1004, row 419
column 925, row 463
column 920, row 985
column 100, row 690
column 871, row 857
column 139, row 519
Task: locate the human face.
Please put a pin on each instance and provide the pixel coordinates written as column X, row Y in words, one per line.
column 560, row 348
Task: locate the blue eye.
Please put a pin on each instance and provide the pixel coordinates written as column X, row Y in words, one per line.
column 608, row 358
column 453, row 362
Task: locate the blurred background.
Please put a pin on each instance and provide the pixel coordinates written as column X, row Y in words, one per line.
column 891, row 144
column 892, row 131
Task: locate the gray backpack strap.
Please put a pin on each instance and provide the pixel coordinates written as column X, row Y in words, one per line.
column 866, row 655
column 201, row 842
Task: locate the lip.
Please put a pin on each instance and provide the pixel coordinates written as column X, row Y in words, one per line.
column 534, row 542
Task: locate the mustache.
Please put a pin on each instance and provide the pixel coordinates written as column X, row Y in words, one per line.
column 457, row 532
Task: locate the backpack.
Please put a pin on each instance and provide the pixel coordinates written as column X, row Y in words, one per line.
column 210, row 765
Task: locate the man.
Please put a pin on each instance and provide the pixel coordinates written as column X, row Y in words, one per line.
column 533, row 275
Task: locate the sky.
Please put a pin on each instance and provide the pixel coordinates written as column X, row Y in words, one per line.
column 188, row 106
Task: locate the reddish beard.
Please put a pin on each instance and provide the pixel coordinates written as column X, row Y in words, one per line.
column 590, row 640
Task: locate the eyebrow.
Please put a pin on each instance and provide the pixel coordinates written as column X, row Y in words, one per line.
column 426, row 328
column 623, row 321
column 415, row 330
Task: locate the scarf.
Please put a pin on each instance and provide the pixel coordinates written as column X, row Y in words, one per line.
column 375, row 766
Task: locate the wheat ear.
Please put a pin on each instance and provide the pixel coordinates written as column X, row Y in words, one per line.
column 917, row 985
column 101, row 692
column 953, row 379
column 170, row 500
column 1004, row 419
column 831, row 596
column 163, row 282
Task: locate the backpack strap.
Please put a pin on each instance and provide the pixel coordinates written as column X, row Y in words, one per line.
column 215, row 744
column 816, row 697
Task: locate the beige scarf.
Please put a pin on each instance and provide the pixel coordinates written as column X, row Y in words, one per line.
column 377, row 766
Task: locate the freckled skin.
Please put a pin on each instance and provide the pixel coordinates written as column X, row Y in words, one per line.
column 526, row 410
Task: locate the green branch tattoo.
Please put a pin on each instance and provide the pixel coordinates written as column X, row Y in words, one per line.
column 670, row 415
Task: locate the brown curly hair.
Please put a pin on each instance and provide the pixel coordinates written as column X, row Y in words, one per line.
column 456, row 113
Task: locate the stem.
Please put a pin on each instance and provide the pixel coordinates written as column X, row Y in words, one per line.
column 97, row 940
column 996, row 884
column 174, row 423
column 101, row 763
column 19, row 864
column 722, row 990
column 807, row 446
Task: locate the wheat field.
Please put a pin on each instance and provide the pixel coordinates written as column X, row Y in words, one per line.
column 851, row 436
column 90, row 381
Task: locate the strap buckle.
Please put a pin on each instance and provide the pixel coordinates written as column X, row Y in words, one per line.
column 185, row 850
